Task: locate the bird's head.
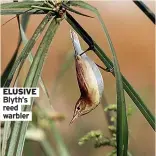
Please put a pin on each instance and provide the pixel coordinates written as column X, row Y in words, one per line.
column 82, row 107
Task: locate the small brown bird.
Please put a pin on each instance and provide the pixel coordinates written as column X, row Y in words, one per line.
column 90, row 81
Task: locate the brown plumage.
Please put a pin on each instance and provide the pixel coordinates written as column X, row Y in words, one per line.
column 89, row 79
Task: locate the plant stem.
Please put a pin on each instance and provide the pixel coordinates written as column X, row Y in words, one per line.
column 145, row 10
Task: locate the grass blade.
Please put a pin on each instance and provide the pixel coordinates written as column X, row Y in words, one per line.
column 20, row 5
column 122, row 126
column 61, row 147
column 13, row 139
column 8, row 68
column 22, row 57
column 75, row 11
column 103, row 57
column 39, row 135
column 47, row 148
column 34, row 74
column 30, row 58
column 82, row 4
column 7, row 125
column 25, row 19
column 26, row 50
column 20, row 8
column 19, row 12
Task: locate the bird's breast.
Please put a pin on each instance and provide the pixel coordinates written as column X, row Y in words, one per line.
column 87, row 80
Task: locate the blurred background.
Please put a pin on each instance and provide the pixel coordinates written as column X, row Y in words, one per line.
column 132, row 34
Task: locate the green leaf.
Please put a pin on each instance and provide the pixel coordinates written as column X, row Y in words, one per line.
column 20, row 5
column 83, row 4
column 34, row 75
column 8, row 68
column 21, row 8
column 101, row 54
column 75, row 11
column 19, row 12
column 7, row 129
column 30, row 58
column 25, row 52
column 13, row 139
column 122, row 126
column 8, row 123
column 12, row 61
column 25, row 19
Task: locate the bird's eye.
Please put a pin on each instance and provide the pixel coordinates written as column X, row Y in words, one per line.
column 78, row 108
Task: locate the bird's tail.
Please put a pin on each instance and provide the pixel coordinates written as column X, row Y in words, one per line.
column 76, row 43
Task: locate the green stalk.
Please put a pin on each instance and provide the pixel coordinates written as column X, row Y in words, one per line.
column 122, row 126
column 47, row 148
column 61, row 147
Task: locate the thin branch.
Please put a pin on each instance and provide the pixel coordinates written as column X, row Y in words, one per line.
column 146, row 10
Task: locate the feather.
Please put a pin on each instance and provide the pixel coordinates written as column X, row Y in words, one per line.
column 89, row 79
column 88, row 74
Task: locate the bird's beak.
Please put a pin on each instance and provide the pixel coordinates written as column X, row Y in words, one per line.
column 74, row 118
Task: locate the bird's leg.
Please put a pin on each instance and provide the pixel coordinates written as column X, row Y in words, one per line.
column 85, row 51
column 91, row 47
column 111, row 70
